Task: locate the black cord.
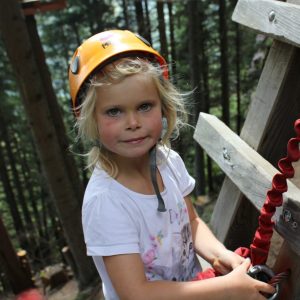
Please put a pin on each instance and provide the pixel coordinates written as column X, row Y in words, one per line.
column 161, row 204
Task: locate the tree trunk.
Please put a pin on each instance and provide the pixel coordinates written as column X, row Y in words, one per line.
column 18, row 277
column 238, row 78
column 198, row 99
column 29, row 227
column 139, row 14
column 148, row 23
column 203, row 37
column 125, row 13
column 12, row 203
column 25, row 169
column 162, row 29
column 54, row 109
column 34, row 95
column 172, row 41
column 224, row 62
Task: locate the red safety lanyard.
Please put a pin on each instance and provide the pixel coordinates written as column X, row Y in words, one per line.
column 259, row 249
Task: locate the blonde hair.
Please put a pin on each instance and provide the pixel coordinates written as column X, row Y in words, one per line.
column 172, row 102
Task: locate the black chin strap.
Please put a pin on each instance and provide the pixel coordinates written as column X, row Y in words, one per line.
column 161, row 205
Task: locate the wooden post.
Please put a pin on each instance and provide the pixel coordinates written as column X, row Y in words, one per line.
column 23, row 258
column 67, row 254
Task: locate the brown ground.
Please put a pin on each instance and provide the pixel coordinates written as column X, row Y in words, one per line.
column 70, row 292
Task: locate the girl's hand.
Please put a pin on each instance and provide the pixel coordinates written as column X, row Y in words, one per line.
column 245, row 287
column 226, row 261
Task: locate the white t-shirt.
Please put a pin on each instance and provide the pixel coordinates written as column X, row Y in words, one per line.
column 117, row 220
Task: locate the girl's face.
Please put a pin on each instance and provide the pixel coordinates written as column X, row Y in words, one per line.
column 129, row 116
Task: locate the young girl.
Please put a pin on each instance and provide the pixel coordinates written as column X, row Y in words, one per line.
column 139, row 224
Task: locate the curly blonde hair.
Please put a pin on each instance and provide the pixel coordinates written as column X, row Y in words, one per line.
column 171, row 99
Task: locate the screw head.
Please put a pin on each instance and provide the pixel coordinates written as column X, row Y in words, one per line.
column 287, row 216
column 272, row 16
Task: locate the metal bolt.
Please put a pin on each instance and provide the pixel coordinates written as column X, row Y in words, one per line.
column 287, row 216
column 294, row 225
column 272, row 15
column 226, row 155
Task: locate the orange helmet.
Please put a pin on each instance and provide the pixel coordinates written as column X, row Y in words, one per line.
column 102, row 49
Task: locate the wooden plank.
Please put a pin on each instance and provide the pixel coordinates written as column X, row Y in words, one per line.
column 277, row 19
column 294, row 2
column 248, row 170
column 288, row 259
column 225, row 209
column 34, row 7
column 270, row 85
column 256, row 130
column 279, row 128
column 288, row 224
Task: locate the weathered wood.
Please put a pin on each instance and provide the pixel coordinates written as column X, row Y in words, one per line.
column 248, row 170
column 225, row 211
column 289, row 224
column 294, row 1
column 268, row 126
column 278, row 129
column 288, row 259
column 277, row 19
column 277, row 67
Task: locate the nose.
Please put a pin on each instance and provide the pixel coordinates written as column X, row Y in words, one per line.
column 133, row 121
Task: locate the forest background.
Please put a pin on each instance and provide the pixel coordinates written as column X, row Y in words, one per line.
column 42, row 175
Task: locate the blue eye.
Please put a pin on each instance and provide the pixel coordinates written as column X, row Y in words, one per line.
column 145, row 107
column 113, row 112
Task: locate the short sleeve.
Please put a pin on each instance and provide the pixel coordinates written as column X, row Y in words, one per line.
column 185, row 181
column 108, row 227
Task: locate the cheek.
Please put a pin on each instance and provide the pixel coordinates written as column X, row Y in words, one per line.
column 159, row 127
column 106, row 130
column 156, row 126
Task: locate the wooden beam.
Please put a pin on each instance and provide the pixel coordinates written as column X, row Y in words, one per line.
column 288, row 224
column 277, row 19
column 267, row 128
column 248, row 170
column 268, row 91
column 33, row 7
column 289, row 255
column 288, row 259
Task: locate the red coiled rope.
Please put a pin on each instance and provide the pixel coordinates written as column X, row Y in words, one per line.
column 259, row 249
column 260, row 246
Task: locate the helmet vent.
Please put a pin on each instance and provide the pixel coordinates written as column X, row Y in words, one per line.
column 75, row 65
column 143, row 40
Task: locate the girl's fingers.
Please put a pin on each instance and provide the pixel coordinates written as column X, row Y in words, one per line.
column 245, row 264
column 266, row 288
column 238, row 262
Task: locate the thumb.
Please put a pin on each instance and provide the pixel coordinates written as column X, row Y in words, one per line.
column 246, row 264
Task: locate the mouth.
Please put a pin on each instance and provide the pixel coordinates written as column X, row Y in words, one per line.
column 134, row 140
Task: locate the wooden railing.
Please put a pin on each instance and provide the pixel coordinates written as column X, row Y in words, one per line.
column 250, row 160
